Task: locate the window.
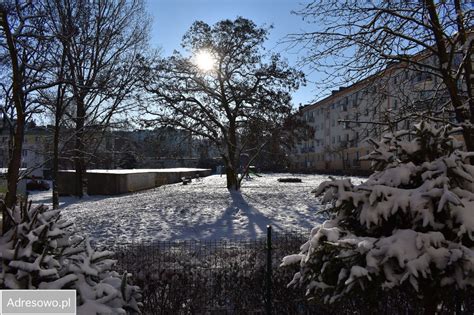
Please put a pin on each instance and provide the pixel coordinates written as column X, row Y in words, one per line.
column 333, row 123
column 24, row 152
column 23, row 165
column 333, row 139
column 339, row 139
column 346, row 123
column 395, row 104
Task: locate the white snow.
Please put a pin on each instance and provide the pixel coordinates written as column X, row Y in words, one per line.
column 140, row 170
column 203, row 209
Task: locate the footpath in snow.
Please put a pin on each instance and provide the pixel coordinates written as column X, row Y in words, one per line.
column 203, row 210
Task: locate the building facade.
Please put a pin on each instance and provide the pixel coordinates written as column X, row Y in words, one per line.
column 343, row 122
column 34, row 155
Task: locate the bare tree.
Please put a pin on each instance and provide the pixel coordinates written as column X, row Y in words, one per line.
column 279, row 136
column 218, row 102
column 57, row 102
column 351, row 40
column 24, row 50
column 103, row 42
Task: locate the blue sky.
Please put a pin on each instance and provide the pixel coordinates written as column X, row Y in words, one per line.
column 172, row 18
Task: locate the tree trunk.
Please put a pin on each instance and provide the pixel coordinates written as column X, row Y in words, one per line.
column 56, row 150
column 231, row 175
column 57, row 122
column 232, row 161
column 232, row 180
column 18, row 100
column 55, row 167
column 79, row 159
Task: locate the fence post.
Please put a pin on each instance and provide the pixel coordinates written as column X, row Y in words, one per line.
column 268, row 276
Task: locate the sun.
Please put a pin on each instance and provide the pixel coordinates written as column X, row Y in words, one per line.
column 204, row 60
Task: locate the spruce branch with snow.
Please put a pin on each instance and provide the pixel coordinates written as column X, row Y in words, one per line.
column 410, row 225
column 42, row 251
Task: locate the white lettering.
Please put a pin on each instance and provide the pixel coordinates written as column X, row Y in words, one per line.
column 10, row 302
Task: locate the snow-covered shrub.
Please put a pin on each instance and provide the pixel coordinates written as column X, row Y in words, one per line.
column 42, row 251
column 409, row 227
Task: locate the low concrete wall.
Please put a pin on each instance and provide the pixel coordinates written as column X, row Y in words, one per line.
column 110, row 182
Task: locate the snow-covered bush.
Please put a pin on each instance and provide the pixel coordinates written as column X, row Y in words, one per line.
column 409, row 227
column 42, row 251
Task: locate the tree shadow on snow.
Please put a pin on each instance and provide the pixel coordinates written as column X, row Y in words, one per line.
column 239, row 209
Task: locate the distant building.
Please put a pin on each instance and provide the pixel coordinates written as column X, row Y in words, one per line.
column 343, row 121
column 34, row 154
column 157, row 148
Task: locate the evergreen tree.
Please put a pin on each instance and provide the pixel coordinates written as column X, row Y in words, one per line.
column 409, row 227
column 41, row 251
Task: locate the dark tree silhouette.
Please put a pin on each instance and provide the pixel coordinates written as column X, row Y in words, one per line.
column 243, row 87
column 24, row 48
column 103, row 42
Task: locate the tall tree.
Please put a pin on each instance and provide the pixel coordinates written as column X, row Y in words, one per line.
column 223, row 86
column 354, row 39
column 103, row 43
column 24, row 55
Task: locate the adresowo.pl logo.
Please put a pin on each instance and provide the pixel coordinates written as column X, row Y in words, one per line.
column 37, row 302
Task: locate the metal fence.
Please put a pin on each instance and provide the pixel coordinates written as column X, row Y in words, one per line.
column 244, row 277
column 217, row 277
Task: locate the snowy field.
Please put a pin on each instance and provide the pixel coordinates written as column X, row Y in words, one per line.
column 202, row 210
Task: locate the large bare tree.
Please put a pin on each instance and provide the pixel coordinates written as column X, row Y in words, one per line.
column 24, row 52
column 351, row 40
column 103, row 42
column 223, row 84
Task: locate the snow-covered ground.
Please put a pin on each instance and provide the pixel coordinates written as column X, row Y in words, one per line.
column 203, row 209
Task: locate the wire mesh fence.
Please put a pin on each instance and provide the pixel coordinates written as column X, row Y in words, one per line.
column 232, row 277
column 216, row 277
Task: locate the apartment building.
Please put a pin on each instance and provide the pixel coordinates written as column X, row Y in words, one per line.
column 34, row 154
column 344, row 121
